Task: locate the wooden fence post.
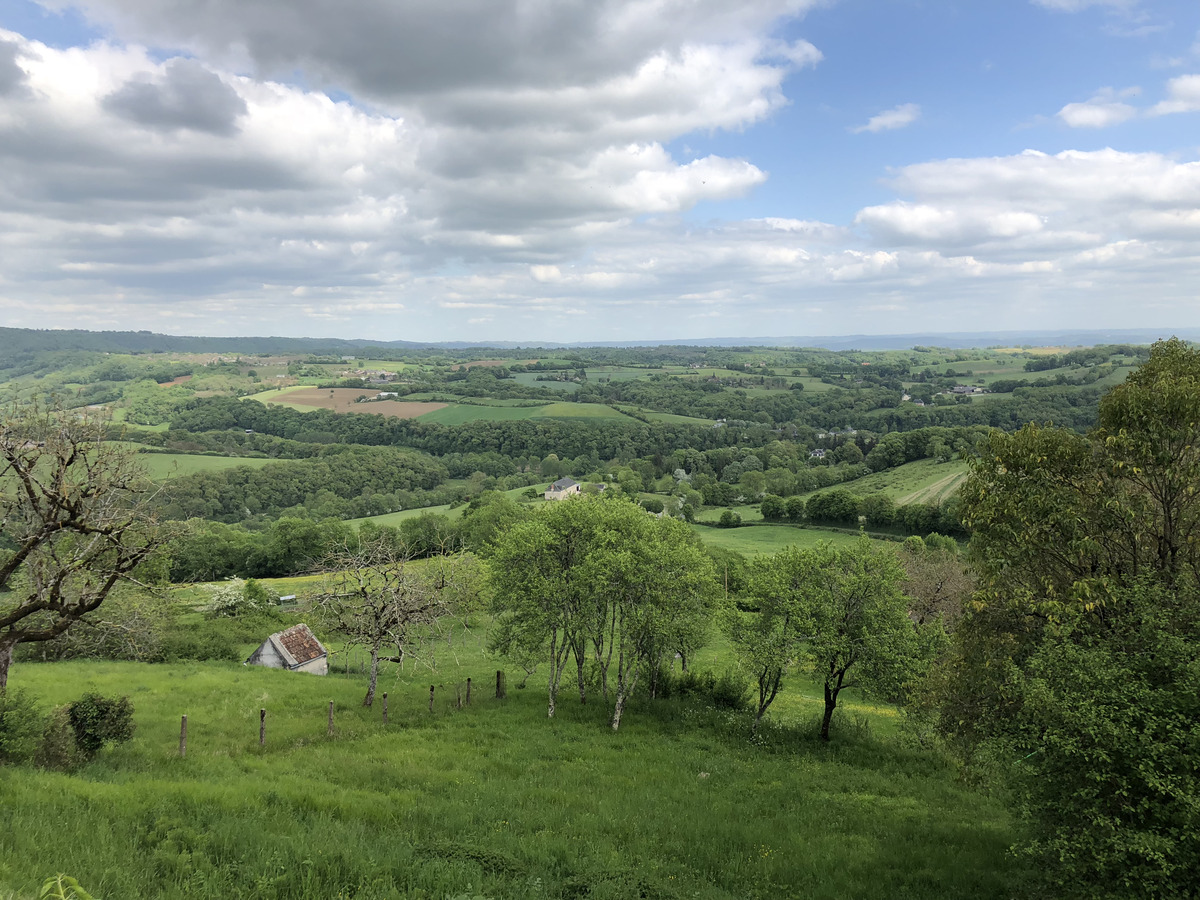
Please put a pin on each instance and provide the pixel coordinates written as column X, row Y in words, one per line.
column 431, row 698
column 501, row 689
column 385, row 707
column 330, row 731
column 468, row 692
column 262, row 728
column 183, row 737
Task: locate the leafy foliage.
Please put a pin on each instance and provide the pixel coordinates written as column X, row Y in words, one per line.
column 1078, row 653
column 98, row 721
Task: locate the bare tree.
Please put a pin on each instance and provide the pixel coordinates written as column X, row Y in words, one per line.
column 937, row 580
column 74, row 512
column 381, row 599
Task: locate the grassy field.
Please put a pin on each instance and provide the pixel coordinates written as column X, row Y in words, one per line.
column 161, row 466
column 489, row 802
column 751, row 540
column 462, row 414
column 679, row 420
column 459, row 414
column 921, row 481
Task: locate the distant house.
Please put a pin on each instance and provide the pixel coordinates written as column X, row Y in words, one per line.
column 819, row 453
column 386, row 395
column 564, row 487
column 296, row 650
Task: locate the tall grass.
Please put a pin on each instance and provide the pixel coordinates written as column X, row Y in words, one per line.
column 491, row 800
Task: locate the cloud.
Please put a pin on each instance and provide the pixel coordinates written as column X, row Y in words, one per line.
column 12, row 76
column 204, row 188
column 899, row 117
column 186, row 96
column 1080, row 5
column 1101, row 111
column 388, row 50
column 1184, row 96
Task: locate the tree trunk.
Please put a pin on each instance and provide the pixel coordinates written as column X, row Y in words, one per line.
column 831, row 695
column 6, row 654
column 582, row 686
column 370, row 698
column 552, row 688
column 618, row 709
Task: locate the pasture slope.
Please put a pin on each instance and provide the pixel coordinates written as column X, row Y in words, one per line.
column 488, row 802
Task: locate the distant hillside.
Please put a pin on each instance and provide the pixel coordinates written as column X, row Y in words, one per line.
column 25, row 340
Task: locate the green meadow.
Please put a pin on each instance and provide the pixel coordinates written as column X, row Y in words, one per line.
column 161, row 466
column 488, row 801
column 762, row 538
column 921, row 481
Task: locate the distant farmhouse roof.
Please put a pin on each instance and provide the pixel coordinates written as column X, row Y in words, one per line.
column 564, row 487
column 296, row 649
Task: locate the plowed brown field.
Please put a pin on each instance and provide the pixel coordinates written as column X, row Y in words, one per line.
column 344, row 400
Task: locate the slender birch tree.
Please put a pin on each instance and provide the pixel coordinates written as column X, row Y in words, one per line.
column 603, row 584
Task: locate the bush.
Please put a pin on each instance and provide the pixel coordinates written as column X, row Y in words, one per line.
column 183, row 645
column 728, row 691
column 58, row 749
column 238, row 598
column 98, row 720
column 729, row 519
column 21, row 727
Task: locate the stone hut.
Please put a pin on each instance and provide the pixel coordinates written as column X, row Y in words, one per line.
column 295, row 649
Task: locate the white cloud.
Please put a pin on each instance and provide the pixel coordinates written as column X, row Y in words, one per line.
column 1079, row 5
column 1101, row 111
column 525, row 183
column 899, row 117
column 1184, row 96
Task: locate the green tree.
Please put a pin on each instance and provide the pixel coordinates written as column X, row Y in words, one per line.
column 839, row 613
column 1078, row 651
column 603, row 582
column 861, row 635
column 487, row 516
column 795, row 509
column 774, row 509
column 769, row 639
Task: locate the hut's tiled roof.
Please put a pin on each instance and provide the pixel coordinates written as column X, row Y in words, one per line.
column 300, row 644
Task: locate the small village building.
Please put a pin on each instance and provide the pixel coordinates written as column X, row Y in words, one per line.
column 295, row 649
column 564, row 487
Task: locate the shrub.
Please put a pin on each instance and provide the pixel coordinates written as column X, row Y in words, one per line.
column 238, row 598
column 183, row 645
column 728, row 691
column 58, row 749
column 21, row 726
column 98, row 720
column 729, row 519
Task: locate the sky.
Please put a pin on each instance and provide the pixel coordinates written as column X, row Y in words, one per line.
column 599, row 170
